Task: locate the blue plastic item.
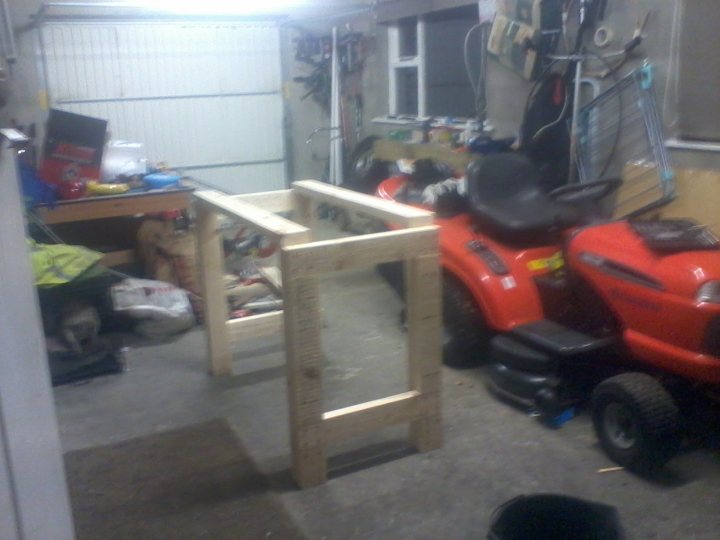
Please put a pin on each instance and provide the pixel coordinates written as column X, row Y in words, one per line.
column 35, row 191
column 161, row 180
column 563, row 418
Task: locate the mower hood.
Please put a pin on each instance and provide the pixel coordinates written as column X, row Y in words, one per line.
column 616, row 249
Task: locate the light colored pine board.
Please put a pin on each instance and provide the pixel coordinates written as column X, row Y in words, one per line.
column 273, row 275
column 211, row 259
column 304, row 375
column 388, row 150
column 327, row 256
column 400, row 214
column 115, row 206
column 698, row 197
column 304, row 209
column 424, row 315
column 359, row 419
column 277, row 202
column 277, row 228
column 301, row 262
column 116, row 258
column 265, row 324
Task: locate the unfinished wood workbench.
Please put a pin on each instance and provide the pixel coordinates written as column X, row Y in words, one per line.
column 112, row 206
column 127, row 204
column 302, row 262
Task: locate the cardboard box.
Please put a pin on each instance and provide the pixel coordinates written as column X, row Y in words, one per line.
column 73, row 147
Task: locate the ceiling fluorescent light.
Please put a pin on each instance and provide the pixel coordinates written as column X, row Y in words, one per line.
column 222, row 7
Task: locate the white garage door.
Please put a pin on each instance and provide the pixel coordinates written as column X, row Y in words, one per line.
column 204, row 97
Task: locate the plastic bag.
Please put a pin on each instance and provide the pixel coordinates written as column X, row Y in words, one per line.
column 162, row 309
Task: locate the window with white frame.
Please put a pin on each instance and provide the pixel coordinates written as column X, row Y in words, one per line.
column 427, row 75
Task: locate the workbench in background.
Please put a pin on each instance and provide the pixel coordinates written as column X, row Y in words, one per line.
column 108, row 223
column 389, row 150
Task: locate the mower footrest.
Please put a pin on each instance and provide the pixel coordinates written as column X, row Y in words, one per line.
column 558, row 339
column 512, row 353
column 519, row 387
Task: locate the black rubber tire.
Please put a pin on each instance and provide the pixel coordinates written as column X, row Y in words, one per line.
column 466, row 335
column 364, row 172
column 648, row 410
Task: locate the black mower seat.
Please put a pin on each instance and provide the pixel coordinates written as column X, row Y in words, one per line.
column 506, row 200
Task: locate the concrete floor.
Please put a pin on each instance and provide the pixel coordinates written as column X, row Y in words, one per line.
column 380, row 489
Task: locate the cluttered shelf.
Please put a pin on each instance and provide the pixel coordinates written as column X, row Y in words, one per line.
column 90, row 191
column 110, row 241
column 72, row 211
column 109, row 206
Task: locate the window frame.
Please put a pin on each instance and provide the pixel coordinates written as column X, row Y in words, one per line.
column 396, row 63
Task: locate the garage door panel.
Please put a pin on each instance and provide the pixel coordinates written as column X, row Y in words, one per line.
column 82, row 63
column 201, row 60
column 245, row 179
column 136, row 60
column 191, row 131
column 200, row 96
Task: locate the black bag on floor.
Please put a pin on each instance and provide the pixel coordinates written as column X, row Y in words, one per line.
column 68, row 367
column 554, row 517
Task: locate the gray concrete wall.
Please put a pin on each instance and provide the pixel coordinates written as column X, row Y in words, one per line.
column 303, row 116
column 507, row 92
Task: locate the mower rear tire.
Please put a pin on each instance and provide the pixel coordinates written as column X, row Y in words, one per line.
column 364, row 173
column 466, row 335
column 636, row 421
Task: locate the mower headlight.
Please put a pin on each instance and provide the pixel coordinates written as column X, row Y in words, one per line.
column 710, row 293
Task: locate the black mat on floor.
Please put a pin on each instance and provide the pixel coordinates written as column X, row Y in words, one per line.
column 192, row 483
column 68, row 367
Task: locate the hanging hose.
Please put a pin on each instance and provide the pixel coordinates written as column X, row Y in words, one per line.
column 478, row 82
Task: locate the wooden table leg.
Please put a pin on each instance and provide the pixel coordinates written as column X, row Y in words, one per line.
column 304, row 378
column 210, row 259
column 422, row 291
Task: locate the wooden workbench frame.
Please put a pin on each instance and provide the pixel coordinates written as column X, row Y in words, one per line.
column 114, row 206
column 302, row 262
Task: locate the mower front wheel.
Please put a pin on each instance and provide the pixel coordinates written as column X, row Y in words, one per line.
column 636, row 421
column 466, row 336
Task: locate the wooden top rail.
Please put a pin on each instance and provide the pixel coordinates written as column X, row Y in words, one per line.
column 328, row 256
column 390, row 211
column 279, row 229
column 127, row 204
column 279, row 202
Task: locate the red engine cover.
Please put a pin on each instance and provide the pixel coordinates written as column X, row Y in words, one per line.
column 653, row 295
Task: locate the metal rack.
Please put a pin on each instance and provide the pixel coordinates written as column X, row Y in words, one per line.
column 620, row 135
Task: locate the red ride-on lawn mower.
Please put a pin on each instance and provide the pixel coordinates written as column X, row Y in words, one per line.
column 567, row 306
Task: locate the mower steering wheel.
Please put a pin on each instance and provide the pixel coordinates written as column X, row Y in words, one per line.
column 584, row 193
